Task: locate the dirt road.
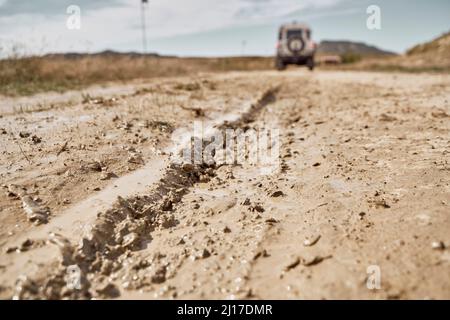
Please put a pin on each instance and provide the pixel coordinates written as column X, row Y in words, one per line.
column 357, row 207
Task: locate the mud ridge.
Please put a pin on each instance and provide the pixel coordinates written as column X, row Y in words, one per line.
column 124, row 228
column 268, row 97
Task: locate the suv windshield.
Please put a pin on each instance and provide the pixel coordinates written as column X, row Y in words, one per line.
column 294, row 33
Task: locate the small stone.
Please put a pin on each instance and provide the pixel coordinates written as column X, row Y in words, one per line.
column 277, row 194
column 261, row 254
column 11, row 249
column 292, row 264
column 271, row 220
column 35, row 213
column 382, row 204
column 204, row 178
column 312, row 241
column 107, row 175
column 95, row 166
column 26, row 245
column 108, row 291
column 258, row 208
column 136, row 159
column 438, row 245
column 159, row 276
column 205, row 254
column 35, row 139
column 130, row 239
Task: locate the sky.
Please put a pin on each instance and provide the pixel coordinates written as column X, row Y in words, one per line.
column 211, row 27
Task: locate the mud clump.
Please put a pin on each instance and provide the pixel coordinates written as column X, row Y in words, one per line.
column 160, row 275
column 438, row 245
column 35, row 212
column 277, row 194
column 311, row 241
column 108, row 290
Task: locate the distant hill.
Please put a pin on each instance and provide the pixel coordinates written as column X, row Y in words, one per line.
column 326, row 47
column 77, row 55
column 345, row 47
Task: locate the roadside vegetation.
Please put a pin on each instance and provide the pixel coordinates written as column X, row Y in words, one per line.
column 431, row 57
column 30, row 75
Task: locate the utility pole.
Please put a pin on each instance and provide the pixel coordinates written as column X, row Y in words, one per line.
column 144, row 31
column 244, row 44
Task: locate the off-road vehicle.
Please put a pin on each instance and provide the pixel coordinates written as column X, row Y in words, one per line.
column 295, row 46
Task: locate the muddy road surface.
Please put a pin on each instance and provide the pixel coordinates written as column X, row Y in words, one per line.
column 355, row 205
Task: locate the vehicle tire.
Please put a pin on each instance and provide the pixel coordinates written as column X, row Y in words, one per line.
column 295, row 45
column 280, row 65
column 310, row 64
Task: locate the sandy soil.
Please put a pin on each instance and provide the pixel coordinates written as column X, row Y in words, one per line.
column 363, row 182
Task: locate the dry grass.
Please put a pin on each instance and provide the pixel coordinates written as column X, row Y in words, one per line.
column 433, row 56
column 25, row 76
column 440, row 45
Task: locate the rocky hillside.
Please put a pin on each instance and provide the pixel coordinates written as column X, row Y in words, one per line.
column 436, row 51
column 432, row 56
column 347, row 47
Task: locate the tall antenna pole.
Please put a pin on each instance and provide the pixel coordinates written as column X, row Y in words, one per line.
column 144, row 33
column 244, row 44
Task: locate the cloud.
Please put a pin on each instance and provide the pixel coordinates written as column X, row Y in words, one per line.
column 166, row 17
column 183, row 17
column 51, row 7
column 260, row 9
column 116, row 23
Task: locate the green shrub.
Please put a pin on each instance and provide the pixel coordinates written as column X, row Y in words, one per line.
column 350, row 57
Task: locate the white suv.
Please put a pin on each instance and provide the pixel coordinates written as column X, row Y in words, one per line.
column 295, row 46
